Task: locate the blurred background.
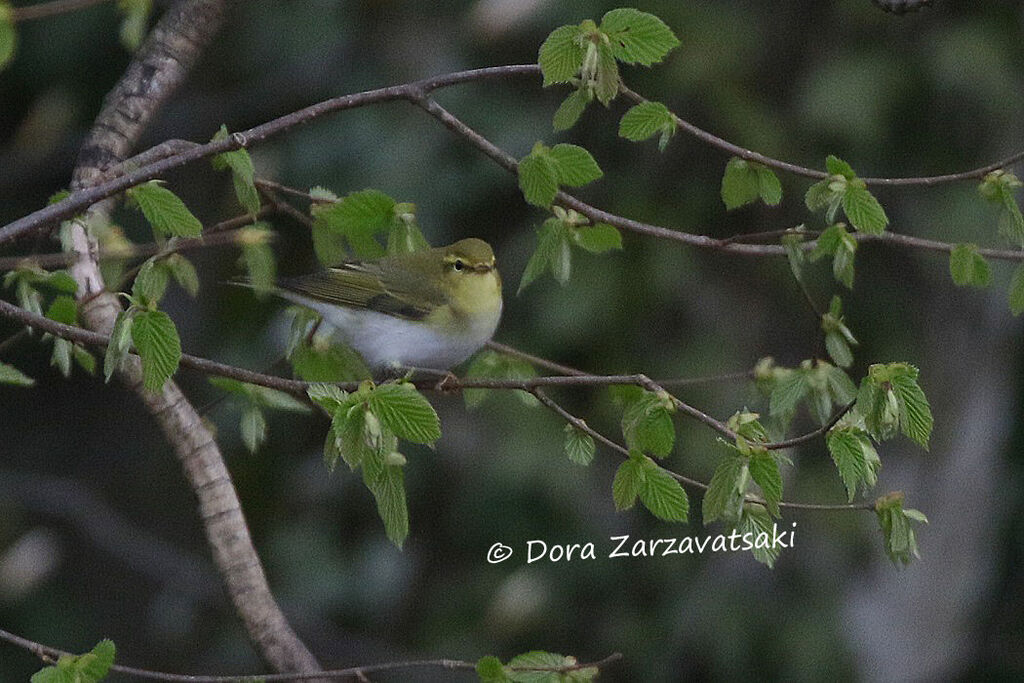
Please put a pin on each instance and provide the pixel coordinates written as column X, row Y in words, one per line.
column 98, row 531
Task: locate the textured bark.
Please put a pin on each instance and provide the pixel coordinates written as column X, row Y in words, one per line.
column 159, row 68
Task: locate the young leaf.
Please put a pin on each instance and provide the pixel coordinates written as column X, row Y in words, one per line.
column 133, row 25
column 258, row 258
column 183, row 272
column 404, row 411
column 724, row 497
column 604, row 81
column 242, row 173
column 572, row 107
column 740, row 184
column 120, row 340
column 575, row 165
column 637, row 37
column 388, row 487
column 561, row 54
column 764, row 470
column 579, row 446
column 253, row 428
column 493, row 365
column 359, row 216
column 151, row 283
column 8, row 34
column 790, row 388
column 662, row 495
column 629, row 479
column 156, row 339
column 837, row 166
column 769, row 186
column 597, row 238
column 543, row 667
column 855, row 458
column 538, row 178
column 84, row 359
column 838, row 349
column 165, row 211
column 1017, row 291
column 645, row 120
column 552, row 253
column 647, row 425
column 863, row 210
column 12, row 375
column 969, row 268
column 327, row 362
column 897, row 531
column 755, row 520
column 915, row 413
column 90, row 667
column 489, row 669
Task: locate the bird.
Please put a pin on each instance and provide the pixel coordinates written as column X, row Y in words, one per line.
column 429, row 309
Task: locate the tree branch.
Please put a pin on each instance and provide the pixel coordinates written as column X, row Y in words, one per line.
column 43, row 10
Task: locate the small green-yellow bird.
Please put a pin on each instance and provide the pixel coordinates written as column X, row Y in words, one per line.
column 426, row 309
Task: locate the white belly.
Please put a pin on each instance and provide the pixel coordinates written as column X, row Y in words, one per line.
column 384, row 340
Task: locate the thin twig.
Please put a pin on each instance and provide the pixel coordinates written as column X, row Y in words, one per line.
column 810, row 436
column 43, row 10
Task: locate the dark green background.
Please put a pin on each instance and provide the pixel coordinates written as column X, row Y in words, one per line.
column 87, row 480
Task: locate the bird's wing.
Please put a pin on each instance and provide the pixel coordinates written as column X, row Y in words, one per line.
column 362, row 285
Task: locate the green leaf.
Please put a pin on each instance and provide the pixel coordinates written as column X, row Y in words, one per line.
column 795, row 254
column 327, row 362
column 1017, row 291
column 156, row 339
column 405, row 237
column 769, row 186
column 359, row 216
column 165, row 211
column 764, row 470
column 552, row 253
column 740, row 183
column 242, row 173
column 90, row 667
column 637, row 37
column 84, row 359
column 598, row 238
column 120, row 340
column 838, row 349
column 629, row 479
column 837, row 166
column 404, row 411
column 327, row 396
column 863, row 210
column 489, row 669
column 388, row 488
column 645, row 120
column 855, row 458
column 604, row 81
column 790, row 388
column 183, row 272
column 840, row 386
column 253, row 428
column 150, row 283
column 12, row 375
column 915, row 413
column 728, row 486
column 63, row 309
column 8, row 35
column 647, row 425
column 579, row 446
column 575, row 165
column 572, row 107
column 662, row 495
column 819, row 196
column 493, row 365
column 538, row 178
column 61, row 357
column 543, row 667
column 755, row 520
column 969, row 268
column 897, row 531
column 135, row 21
column 561, row 54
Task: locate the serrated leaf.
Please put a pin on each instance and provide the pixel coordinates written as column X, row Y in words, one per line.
column 538, row 179
column 863, row 210
column 845, row 447
column 405, row 412
column 12, row 375
column 629, row 479
column 184, row 273
column 570, row 110
column 165, row 211
column 550, row 249
column 645, row 120
column 579, row 446
column 8, row 35
column 647, row 425
column 915, row 413
column 359, row 217
column 493, row 365
column 838, row 349
column 561, row 54
column 120, row 340
column 724, row 497
column 150, row 283
column 1016, row 295
column 837, row 166
column 840, row 386
column 790, row 388
column 662, row 495
column 575, row 165
column 489, row 669
column 637, row 37
column 819, row 196
column 898, row 534
column 756, row 521
column 253, row 428
column 156, row 339
column 598, row 238
column 764, row 470
column 327, row 396
column 969, row 268
column 388, row 488
column 606, row 80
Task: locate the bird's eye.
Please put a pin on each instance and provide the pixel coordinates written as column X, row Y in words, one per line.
column 459, row 265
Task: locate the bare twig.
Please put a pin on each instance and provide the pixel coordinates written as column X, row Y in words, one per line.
column 53, row 8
